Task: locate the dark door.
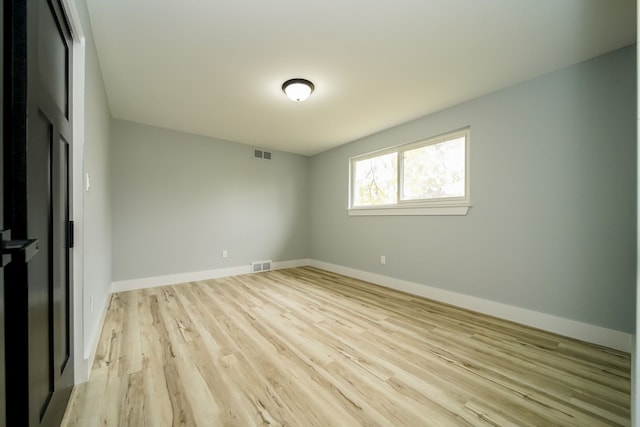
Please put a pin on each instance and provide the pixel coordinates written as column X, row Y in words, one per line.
column 3, row 417
column 39, row 354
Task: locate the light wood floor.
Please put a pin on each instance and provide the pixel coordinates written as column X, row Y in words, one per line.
column 303, row 347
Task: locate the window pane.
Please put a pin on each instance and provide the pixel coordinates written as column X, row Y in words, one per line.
column 435, row 171
column 376, row 180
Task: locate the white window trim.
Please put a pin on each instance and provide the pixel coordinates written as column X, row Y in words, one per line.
column 445, row 206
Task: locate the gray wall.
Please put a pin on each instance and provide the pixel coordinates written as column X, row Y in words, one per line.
column 97, row 201
column 180, row 199
column 635, row 361
column 553, row 192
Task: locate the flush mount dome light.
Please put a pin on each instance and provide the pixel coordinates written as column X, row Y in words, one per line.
column 297, row 89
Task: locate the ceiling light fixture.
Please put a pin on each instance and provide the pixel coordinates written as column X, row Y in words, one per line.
column 297, row 89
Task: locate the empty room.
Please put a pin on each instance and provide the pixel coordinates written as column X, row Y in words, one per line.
column 419, row 213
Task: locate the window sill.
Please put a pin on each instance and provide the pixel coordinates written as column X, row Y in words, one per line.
column 410, row 210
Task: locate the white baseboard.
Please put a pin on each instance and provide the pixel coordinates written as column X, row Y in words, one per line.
column 81, row 370
column 92, row 346
column 172, row 279
column 570, row 328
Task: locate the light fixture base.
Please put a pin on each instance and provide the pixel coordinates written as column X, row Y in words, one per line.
column 298, row 89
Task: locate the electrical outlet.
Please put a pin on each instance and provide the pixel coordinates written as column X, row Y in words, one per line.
column 383, row 259
column 224, row 253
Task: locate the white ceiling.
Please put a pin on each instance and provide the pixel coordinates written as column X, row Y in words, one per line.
column 215, row 67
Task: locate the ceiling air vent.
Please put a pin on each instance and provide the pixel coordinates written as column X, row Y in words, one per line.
column 260, row 154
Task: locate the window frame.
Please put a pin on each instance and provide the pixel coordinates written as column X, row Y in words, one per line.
column 435, row 206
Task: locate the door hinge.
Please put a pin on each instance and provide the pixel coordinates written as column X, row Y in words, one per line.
column 70, row 233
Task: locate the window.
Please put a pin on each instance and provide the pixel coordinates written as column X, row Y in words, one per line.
column 428, row 177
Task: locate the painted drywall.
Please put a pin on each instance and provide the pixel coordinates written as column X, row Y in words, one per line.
column 553, row 192
column 635, row 361
column 97, row 201
column 179, row 200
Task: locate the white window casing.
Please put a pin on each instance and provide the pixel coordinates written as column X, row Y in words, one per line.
column 426, row 177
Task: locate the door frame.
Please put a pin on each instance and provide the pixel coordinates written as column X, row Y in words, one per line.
column 81, row 366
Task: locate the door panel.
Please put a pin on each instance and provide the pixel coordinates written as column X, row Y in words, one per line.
column 40, row 355
column 53, row 56
column 3, row 395
column 52, row 373
column 40, row 267
column 61, row 266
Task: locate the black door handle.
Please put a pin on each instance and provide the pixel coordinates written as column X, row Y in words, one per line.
column 16, row 250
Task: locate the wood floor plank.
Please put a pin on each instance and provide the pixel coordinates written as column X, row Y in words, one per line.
column 305, row 347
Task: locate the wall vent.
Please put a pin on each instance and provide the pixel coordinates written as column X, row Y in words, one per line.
column 261, row 154
column 259, row 266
